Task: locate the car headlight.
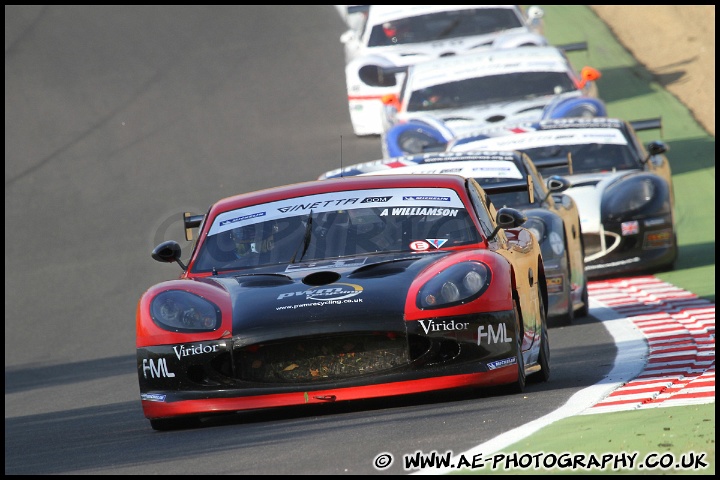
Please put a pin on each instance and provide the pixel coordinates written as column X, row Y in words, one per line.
column 180, row 311
column 417, row 141
column 630, row 196
column 458, row 284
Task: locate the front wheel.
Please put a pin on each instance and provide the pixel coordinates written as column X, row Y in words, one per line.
column 544, row 357
column 519, row 385
column 584, row 311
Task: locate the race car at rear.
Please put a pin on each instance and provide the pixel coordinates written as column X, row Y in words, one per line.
column 342, row 289
column 511, row 180
column 450, row 97
column 623, row 188
column 392, row 36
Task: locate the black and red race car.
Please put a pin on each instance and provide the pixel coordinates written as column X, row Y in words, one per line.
column 342, row 289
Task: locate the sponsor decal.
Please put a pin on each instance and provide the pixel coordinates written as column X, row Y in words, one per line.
column 613, row 264
column 630, row 228
column 554, row 284
column 463, row 156
column 443, row 326
column 583, row 122
column 159, row 370
column 331, row 201
column 376, row 200
column 419, row 246
column 436, row 242
column 188, row 350
column 319, row 205
column 654, row 222
column 427, row 211
column 326, row 293
column 422, row 198
column 532, row 139
column 658, row 239
column 244, row 217
column 492, row 335
column 501, row 363
column 152, row 397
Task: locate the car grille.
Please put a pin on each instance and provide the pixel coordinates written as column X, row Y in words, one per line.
column 325, row 358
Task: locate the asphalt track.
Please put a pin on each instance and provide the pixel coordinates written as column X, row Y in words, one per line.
column 120, row 118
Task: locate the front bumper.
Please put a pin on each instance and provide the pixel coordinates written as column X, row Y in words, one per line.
column 228, row 375
column 628, row 248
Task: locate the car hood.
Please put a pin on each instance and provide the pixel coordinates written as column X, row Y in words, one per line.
column 351, row 294
column 588, row 190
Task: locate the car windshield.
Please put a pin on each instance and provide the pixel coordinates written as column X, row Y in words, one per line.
column 336, row 225
column 586, row 158
column 443, row 25
column 490, row 89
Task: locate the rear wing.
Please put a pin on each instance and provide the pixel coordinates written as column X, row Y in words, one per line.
column 573, row 47
column 191, row 221
column 555, row 162
column 512, row 186
column 358, row 9
column 647, row 124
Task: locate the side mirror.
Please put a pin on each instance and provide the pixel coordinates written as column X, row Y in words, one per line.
column 391, row 100
column 557, row 184
column 507, row 218
column 588, row 74
column 347, row 36
column 377, row 76
column 656, row 148
column 168, row 252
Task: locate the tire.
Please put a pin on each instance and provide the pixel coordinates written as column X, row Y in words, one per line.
column 584, row 311
column 544, row 358
column 519, row 385
column 177, row 423
column 567, row 319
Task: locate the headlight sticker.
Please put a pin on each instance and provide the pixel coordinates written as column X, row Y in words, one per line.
column 659, row 239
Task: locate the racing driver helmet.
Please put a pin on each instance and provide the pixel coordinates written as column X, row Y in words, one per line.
column 257, row 238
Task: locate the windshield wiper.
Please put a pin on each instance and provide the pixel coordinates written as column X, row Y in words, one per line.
column 306, row 239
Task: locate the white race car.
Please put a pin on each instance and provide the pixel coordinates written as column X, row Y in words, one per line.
column 396, row 36
column 450, row 97
column 623, row 188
